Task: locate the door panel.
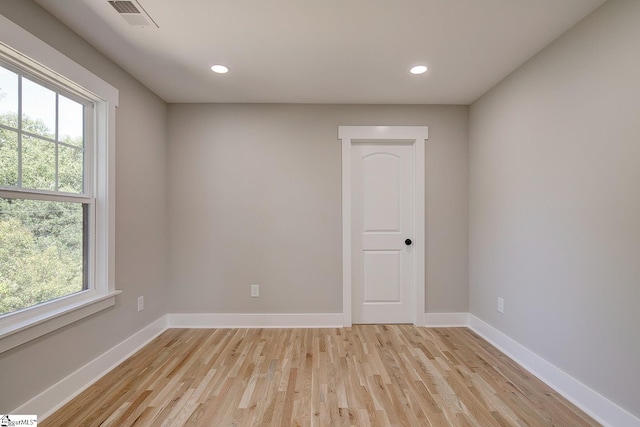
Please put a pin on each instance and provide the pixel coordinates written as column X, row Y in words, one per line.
column 381, row 175
column 382, row 282
column 382, row 209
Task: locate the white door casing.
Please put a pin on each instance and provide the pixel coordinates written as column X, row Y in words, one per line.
column 381, row 260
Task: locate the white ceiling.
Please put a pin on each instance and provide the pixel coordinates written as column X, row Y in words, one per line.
column 324, row 51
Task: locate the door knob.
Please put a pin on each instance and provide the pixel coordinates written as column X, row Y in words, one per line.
column 408, row 242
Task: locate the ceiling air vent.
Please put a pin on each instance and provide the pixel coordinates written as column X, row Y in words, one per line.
column 133, row 13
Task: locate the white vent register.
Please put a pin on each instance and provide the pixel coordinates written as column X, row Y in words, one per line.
column 133, row 13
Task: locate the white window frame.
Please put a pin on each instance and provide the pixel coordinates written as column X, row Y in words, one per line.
column 30, row 323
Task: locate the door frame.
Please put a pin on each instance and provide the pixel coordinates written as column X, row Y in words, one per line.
column 417, row 136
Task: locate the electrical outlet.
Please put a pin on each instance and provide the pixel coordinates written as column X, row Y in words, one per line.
column 255, row 291
column 500, row 305
column 140, row 303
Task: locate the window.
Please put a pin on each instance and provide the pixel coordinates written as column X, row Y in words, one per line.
column 45, row 206
column 56, row 189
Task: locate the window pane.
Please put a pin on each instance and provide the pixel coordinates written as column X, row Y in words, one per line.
column 70, row 161
column 8, row 98
column 41, row 252
column 70, row 121
column 38, row 109
column 38, row 164
column 8, row 157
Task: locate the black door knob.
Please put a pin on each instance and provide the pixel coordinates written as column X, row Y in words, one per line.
column 408, row 242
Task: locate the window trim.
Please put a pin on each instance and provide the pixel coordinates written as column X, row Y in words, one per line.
column 30, row 323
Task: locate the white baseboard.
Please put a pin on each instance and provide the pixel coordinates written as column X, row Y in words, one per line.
column 597, row 406
column 255, row 320
column 53, row 398
column 442, row 320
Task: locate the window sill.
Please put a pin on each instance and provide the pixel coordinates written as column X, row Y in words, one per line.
column 49, row 321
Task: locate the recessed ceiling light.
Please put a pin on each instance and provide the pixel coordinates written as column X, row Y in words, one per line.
column 220, row 69
column 419, row 69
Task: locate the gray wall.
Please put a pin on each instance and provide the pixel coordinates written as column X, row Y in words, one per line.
column 555, row 203
column 141, row 224
column 255, row 197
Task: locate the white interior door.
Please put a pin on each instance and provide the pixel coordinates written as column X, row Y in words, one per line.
column 382, row 232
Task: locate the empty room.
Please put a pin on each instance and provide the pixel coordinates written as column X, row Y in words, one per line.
column 328, row 213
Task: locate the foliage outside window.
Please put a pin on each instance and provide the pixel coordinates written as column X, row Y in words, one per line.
column 57, row 189
column 45, row 197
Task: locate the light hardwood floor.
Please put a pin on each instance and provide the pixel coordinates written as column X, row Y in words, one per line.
column 365, row 375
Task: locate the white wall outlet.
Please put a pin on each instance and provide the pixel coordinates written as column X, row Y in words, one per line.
column 140, row 303
column 255, row 291
column 500, row 305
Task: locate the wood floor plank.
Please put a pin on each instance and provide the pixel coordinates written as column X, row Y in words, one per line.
column 382, row 375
